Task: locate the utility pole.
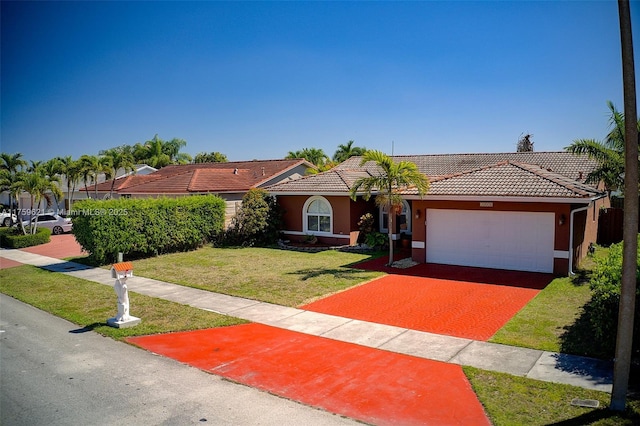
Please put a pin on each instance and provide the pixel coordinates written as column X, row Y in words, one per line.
column 624, row 338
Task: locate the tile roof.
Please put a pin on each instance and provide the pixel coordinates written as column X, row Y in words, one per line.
column 530, row 174
column 509, row 179
column 573, row 166
column 332, row 181
column 239, row 176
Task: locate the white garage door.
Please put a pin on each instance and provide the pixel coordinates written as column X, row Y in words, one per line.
column 503, row 240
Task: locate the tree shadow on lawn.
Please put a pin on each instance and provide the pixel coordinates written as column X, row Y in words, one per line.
column 336, row 273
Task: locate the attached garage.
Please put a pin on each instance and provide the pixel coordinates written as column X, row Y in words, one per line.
column 522, row 241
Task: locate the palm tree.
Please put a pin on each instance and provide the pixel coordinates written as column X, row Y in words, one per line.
column 90, row 166
column 608, row 153
column 11, row 165
column 628, row 285
column 38, row 184
column 389, row 181
column 172, row 149
column 118, row 159
column 346, row 151
column 315, row 156
column 212, row 157
column 71, row 170
column 104, row 167
column 154, row 153
column 52, row 170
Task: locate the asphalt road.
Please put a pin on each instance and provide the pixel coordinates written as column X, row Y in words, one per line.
column 52, row 373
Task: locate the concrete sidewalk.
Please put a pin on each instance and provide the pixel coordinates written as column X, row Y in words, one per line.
column 583, row 372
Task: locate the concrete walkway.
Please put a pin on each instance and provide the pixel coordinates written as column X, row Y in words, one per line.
column 578, row 371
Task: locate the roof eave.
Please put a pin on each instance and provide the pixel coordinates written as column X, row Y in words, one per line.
column 507, row 199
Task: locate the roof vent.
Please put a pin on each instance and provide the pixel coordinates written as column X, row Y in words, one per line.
column 235, row 171
column 263, row 173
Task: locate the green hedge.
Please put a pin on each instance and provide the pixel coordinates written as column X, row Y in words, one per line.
column 604, row 305
column 146, row 227
column 15, row 239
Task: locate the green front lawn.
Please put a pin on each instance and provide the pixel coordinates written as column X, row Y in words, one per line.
column 282, row 277
column 510, row 400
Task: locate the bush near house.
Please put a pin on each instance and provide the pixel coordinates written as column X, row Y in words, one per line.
column 146, row 227
column 14, row 238
column 602, row 310
column 257, row 223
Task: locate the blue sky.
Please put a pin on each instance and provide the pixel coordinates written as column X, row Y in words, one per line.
column 255, row 80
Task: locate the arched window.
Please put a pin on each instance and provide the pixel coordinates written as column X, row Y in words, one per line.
column 318, row 215
column 402, row 222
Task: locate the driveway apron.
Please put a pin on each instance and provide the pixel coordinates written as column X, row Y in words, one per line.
column 366, row 384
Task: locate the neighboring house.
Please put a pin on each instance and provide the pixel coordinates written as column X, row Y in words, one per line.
column 61, row 206
column 231, row 180
column 81, row 193
column 529, row 211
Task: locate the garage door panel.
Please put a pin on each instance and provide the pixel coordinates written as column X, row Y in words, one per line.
column 504, row 240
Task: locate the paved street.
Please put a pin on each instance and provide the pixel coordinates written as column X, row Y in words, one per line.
column 55, row 374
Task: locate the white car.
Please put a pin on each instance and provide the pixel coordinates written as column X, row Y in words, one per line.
column 55, row 222
column 7, row 219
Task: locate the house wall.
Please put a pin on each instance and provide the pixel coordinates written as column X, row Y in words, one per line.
column 294, row 173
column 586, row 228
column 346, row 215
column 292, row 208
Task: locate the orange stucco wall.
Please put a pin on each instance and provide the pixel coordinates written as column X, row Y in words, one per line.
column 346, row 214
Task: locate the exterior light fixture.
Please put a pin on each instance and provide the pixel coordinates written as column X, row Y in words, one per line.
column 562, row 219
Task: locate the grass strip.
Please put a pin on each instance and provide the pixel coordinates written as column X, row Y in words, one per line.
column 543, row 322
column 89, row 304
column 512, row 400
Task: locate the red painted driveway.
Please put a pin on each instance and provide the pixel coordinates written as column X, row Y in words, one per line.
column 369, row 385
column 455, row 308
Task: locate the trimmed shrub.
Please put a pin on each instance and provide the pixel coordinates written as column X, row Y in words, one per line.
column 604, row 305
column 15, row 239
column 146, row 227
column 257, row 223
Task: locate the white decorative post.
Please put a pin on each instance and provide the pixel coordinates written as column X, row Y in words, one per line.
column 121, row 271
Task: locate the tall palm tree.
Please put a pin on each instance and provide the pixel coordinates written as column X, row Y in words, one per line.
column 608, row 153
column 11, row 164
column 71, row 170
column 388, row 182
column 346, row 151
column 628, row 285
column 118, row 159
